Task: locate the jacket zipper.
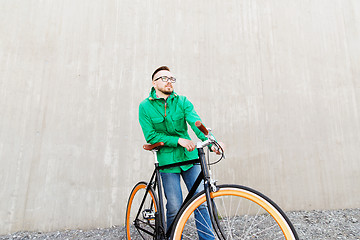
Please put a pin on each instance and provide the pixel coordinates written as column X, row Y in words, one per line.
column 165, row 107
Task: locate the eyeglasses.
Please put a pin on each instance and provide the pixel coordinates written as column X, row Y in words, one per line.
column 166, row 79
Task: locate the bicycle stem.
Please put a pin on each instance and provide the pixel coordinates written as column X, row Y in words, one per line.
column 211, row 139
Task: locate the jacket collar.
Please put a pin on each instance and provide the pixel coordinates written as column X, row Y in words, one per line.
column 152, row 95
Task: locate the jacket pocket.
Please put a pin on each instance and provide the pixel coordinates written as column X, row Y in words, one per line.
column 192, row 155
column 159, row 124
column 166, row 149
column 166, row 156
column 179, row 122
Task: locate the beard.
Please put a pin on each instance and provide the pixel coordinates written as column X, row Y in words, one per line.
column 166, row 90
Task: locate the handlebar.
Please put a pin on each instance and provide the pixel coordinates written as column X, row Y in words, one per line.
column 202, row 128
column 210, row 140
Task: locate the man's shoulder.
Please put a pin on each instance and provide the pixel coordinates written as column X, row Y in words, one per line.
column 144, row 102
column 181, row 98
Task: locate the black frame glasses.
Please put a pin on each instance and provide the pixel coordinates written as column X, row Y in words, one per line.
column 166, row 79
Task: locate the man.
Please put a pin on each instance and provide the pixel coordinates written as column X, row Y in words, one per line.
column 163, row 117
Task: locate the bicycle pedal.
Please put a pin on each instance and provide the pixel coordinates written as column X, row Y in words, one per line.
column 148, row 214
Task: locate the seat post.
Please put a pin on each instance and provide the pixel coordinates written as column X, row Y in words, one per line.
column 154, row 151
column 158, row 184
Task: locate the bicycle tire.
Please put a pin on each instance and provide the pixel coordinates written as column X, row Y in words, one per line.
column 252, row 216
column 140, row 227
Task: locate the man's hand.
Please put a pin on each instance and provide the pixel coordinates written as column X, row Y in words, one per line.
column 216, row 150
column 188, row 144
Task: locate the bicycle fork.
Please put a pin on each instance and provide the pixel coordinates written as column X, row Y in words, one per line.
column 209, row 185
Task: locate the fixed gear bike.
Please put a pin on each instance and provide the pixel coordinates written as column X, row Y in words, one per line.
column 236, row 212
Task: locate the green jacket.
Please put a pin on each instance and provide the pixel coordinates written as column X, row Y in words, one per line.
column 165, row 121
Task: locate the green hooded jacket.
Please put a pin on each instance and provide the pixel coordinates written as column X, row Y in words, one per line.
column 165, row 121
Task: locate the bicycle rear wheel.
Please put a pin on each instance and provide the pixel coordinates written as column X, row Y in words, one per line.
column 140, row 213
column 241, row 213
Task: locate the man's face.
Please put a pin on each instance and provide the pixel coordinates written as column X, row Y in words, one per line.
column 164, row 87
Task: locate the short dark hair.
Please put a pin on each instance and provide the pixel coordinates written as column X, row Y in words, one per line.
column 158, row 70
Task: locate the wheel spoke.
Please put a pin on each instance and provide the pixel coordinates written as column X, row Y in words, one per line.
column 241, row 213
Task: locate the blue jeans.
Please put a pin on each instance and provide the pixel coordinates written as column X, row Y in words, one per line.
column 173, row 194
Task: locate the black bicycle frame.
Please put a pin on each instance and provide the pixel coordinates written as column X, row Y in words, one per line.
column 155, row 181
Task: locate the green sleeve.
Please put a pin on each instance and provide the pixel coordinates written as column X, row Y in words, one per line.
column 191, row 117
column 151, row 136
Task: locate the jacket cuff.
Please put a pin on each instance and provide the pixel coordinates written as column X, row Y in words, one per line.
column 173, row 142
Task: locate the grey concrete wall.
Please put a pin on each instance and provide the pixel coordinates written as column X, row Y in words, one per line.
column 278, row 81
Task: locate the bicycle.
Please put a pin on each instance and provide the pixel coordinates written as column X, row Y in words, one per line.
column 236, row 212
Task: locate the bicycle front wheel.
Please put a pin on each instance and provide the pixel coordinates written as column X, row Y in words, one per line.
column 140, row 213
column 240, row 213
